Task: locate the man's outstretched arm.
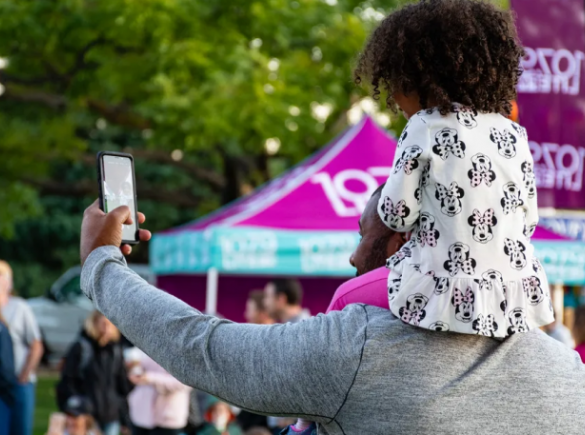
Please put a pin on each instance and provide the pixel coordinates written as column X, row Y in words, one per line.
column 304, row 369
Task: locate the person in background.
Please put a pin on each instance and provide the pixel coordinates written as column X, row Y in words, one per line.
column 579, row 331
column 79, row 420
column 559, row 332
column 257, row 431
column 94, row 370
column 256, row 309
column 159, row 404
column 282, row 298
column 220, row 419
column 8, row 380
column 257, row 314
column 28, row 351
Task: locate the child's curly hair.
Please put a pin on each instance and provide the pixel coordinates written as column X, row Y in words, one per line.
column 464, row 51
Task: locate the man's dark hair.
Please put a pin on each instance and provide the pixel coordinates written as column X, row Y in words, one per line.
column 257, row 296
column 464, row 51
column 291, row 288
column 378, row 191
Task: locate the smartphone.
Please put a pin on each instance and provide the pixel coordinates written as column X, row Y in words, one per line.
column 117, row 186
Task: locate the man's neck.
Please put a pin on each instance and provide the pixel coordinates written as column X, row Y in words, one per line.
column 290, row 312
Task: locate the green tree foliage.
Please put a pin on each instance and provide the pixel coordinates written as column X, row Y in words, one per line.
column 193, row 88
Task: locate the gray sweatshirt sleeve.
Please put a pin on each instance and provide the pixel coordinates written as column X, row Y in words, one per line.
column 304, row 369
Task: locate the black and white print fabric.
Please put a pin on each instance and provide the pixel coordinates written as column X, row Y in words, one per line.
column 464, row 185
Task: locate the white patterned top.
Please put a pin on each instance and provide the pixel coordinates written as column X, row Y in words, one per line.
column 464, row 184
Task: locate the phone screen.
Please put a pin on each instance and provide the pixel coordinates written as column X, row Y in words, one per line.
column 118, row 189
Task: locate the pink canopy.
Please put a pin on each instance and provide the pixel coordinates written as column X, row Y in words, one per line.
column 328, row 191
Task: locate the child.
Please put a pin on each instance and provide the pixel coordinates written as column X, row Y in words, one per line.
column 462, row 179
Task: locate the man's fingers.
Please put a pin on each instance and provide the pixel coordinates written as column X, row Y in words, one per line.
column 121, row 215
column 94, row 209
column 141, row 218
column 144, row 235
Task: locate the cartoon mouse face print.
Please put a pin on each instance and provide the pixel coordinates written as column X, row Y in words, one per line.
column 464, row 304
column 450, row 198
column 481, row 171
column 490, row 279
column 424, row 182
column 520, row 130
column 529, row 230
column 505, row 142
column 408, row 160
column 515, row 251
column 447, row 143
column 482, row 224
column 529, row 178
column 427, row 234
column 393, row 287
column 414, row 311
column 536, row 266
column 439, row 326
column 398, row 257
column 466, row 116
column 459, row 260
column 534, row 292
column 511, row 200
column 485, row 325
column 394, row 214
column 441, row 285
column 402, row 137
column 517, row 318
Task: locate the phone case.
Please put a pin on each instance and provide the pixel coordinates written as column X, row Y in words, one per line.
column 101, row 192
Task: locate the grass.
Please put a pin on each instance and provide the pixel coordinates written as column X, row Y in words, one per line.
column 45, row 402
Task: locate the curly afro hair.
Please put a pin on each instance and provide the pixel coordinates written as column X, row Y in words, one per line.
column 464, row 51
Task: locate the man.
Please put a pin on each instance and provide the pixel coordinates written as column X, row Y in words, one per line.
column 28, row 350
column 256, row 314
column 283, row 298
column 355, row 371
column 256, row 309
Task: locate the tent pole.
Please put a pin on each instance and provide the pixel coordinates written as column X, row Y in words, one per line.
column 211, row 295
column 558, row 302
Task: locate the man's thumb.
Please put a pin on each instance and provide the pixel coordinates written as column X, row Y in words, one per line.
column 121, row 215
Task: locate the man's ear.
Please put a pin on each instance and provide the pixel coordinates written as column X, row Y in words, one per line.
column 395, row 242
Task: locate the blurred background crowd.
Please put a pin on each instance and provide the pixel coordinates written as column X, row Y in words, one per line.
column 232, row 110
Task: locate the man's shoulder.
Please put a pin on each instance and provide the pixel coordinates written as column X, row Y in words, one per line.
column 376, row 278
column 369, row 288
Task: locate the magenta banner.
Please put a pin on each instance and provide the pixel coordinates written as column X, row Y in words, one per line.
column 551, row 96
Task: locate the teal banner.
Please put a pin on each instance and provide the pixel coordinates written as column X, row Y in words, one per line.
column 241, row 251
column 254, row 251
column 564, row 262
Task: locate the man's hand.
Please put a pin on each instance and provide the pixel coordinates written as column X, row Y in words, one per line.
column 101, row 229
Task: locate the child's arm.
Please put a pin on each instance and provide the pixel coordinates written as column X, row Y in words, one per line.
column 401, row 198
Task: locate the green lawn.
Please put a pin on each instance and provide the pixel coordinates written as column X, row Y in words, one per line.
column 45, row 402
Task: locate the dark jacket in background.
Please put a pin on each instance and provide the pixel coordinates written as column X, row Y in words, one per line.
column 8, row 378
column 101, row 377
